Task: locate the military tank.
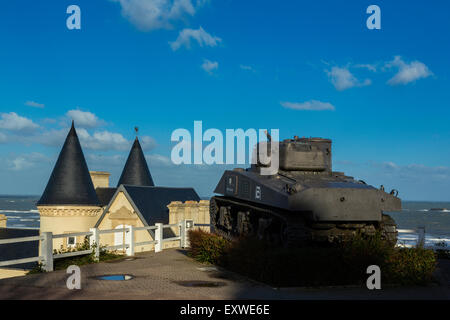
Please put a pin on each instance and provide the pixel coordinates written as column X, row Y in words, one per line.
column 302, row 202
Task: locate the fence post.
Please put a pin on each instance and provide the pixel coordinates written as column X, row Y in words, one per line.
column 182, row 233
column 129, row 240
column 186, row 225
column 47, row 250
column 421, row 240
column 158, row 237
column 94, row 242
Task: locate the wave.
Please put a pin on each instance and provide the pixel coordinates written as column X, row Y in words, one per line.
column 433, row 210
column 22, row 226
column 25, row 220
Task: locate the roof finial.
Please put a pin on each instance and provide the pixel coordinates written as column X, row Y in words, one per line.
column 73, row 124
column 136, row 129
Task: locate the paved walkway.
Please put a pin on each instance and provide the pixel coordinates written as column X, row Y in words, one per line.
column 170, row 274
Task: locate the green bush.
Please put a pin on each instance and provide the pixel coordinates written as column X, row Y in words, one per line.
column 341, row 264
column 64, row 263
column 206, row 247
column 410, row 266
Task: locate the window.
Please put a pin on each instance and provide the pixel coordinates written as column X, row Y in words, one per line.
column 71, row 242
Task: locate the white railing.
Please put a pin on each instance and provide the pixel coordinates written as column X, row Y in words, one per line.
column 47, row 256
column 419, row 232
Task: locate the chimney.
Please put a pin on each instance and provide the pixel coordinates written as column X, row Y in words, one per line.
column 100, row 179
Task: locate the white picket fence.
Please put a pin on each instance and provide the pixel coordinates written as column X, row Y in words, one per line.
column 419, row 233
column 47, row 256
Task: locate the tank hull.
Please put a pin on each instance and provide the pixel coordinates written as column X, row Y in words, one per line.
column 320, row 197
column 233, row 218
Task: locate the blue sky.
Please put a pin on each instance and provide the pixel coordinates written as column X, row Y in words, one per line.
column 160, row 65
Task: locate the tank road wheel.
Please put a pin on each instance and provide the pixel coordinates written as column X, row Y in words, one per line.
column 217, row 216
column 388, row 229
column 244, row 226
column 214, row 212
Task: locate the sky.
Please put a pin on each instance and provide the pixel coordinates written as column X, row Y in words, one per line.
column 307, row 68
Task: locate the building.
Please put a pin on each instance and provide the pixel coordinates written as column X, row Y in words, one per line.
column 76, row 200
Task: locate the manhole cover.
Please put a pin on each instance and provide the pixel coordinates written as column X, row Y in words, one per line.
column 116, row 277
column 201, row 283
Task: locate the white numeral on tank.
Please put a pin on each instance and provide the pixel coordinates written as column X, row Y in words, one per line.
column 258, row 193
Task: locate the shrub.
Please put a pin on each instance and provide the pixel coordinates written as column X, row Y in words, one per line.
column 64, row 263
column 409, row 266
column 206, row 247
column 363, row 251
column 341, row 264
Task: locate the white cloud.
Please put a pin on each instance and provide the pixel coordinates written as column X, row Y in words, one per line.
column 12, row 121
column 158, row 160
column 34, row 104
column 312, row 105
column 84, row 119
column 368, row 66
column 202, row 37
column 98, row 140
column 157, row 14
column 415, row 170
column 27, row 161
column 343, row 79
column 117, row 160
column 147, row 143
column 102, row 140
column 407, row 72
column 210, row 66
column 106, row 140
column 246, row 68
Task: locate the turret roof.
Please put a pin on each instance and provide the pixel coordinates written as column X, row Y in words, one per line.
column 136, row 172
column 70, row 182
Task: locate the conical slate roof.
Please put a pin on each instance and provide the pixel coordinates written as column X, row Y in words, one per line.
column 70, row 182
column 136, row 171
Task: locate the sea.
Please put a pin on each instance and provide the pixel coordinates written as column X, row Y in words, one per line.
column 434, row 216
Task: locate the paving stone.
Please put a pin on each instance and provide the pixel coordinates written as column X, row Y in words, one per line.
column 158, row 276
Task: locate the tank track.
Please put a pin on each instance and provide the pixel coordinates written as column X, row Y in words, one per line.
column 233, row 219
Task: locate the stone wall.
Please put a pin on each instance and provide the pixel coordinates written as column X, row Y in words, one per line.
column 67, row 219
column 193, row 210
